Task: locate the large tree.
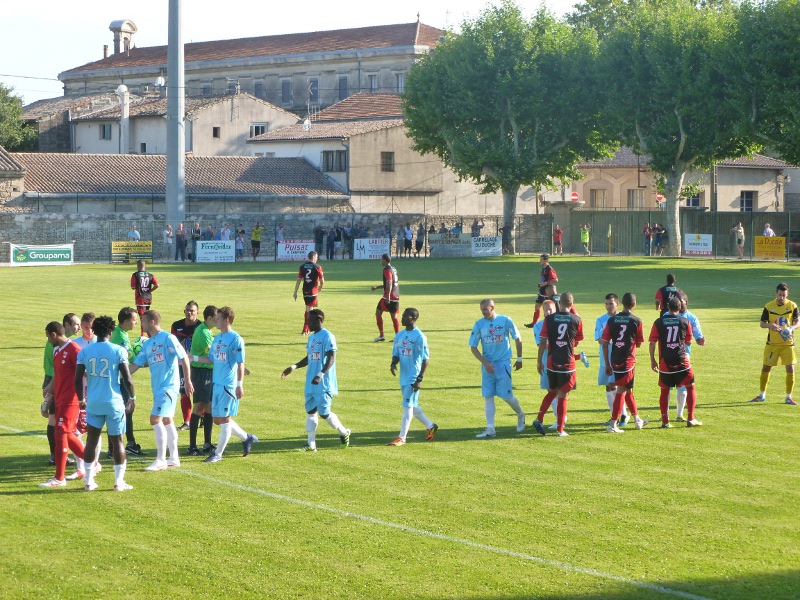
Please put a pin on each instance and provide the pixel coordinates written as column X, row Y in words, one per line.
column 15, row 135
column 508, row 102
column 667, row 96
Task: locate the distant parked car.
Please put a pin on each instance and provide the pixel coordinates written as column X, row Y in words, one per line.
column 792, row 242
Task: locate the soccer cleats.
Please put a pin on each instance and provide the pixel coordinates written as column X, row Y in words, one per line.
column 693, row 423
column 53, row 483
column 184, row 427
column 614, row 429
column 758, row 398
column 134, row 448
column 247, row 444
column 213, row 458
column 307, row 448
column 790, row 401
column 520, row 423
column 345, row 439
column 397, row 442
column 562, row 434
column 537, row 425
column 174, row 462
column 380, row 338
column 156, row 465
column 122, row 487
column 666, row 425
column 209, row 448
column 623, row 420
column 486, row 434
column 640, row 422
column 193, row 451
column 76, row 475
column 90, row 487
column 584, row 359
column 429, row 433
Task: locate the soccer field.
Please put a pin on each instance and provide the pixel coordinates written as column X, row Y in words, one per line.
column 708, row 512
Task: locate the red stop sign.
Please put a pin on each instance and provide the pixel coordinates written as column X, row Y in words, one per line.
column 574, row 196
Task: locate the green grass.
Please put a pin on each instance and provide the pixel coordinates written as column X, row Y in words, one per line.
column 710, row 512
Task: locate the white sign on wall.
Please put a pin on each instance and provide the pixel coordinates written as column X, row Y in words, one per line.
column 216, row 251
column 371, row 248
column 697, row 244
column 294, row 249
column 487, row 246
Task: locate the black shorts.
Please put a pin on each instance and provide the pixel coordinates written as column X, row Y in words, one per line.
column 407, row 244
column 203, row 385
column 255, row 244
column 419, row 244
column 391, row 306
column 310, row 300
column 624, row 378
column 557, row 243
column 671, row 380
column 564, row 382
column 540, row 298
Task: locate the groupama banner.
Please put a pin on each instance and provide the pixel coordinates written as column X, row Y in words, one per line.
column 31, row 256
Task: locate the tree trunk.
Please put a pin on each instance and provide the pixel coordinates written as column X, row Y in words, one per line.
column 672, row 214
column 510, row 219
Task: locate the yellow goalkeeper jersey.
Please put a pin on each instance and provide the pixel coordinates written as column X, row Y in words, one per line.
column 782, row 314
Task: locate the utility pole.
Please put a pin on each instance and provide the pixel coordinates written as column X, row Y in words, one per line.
column 176, row 105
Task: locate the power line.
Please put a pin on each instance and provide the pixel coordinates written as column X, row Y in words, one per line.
column 29, row 77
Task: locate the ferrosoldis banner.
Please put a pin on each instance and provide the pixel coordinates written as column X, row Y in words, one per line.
column 30, row 256
column 487, row 246
column 371, row 248
column 216, row 251
column 697, row 244
column 294, row 249
column 769, row 247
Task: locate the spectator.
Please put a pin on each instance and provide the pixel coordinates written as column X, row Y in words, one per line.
column 208, row 234
column 197, row 235
column 419, row 244
column 337, row 240
column 180, row 243
column 768, row 230
column 363, row 231
column 647, row 236
column 166, row 253
column 399, row 237
column 443, row 229
column 240, row 246
column 319, row 239
column 330, row 247
column 558, row 245
column 476, row 229
column 347, row 239
column 457, row 228
column 134, row 236
column 738, row 235
column 585, row 232
column 278, row 234
column 225, row 233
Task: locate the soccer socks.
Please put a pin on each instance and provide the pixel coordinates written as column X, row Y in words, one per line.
column 619, row 399
column 490, row 409
column 395, row 323
column 334, row 422
column 546, row 402
column 420, row 415
column 379, row 321
column 680, row 400
column 224, row 438
column 89, row 470
column 305, row 322
column 789, row 383
column 610, row 398
column 119, row 473
column 536, row 313
column 311, row 428
column 172, row 440
column 161, row 441
column 514, row 404
column 129, row 437
column 554, row 408
column 194, row 423
column 691, row 401
column 663, row 403
column 763, row 381
column 51, row 439
column 60, row 454
column 208, row 425
column 630, row 401
column 562, row 413
column 237, row 431
column 405, row 422
column 186, row 407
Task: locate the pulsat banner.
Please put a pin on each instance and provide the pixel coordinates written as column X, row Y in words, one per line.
column 294, row 249
column 30, row 256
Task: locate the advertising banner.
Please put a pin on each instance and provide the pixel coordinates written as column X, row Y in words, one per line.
column 487, row 246
column 770, row 247
column 697, row 244
column 371, row 248
column 445, row 245
column 294, row 249
column 216, row 251
column 123, row 253
column 30, row 256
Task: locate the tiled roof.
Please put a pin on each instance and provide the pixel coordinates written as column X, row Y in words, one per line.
column 8, row 163
column 758, row 161
column 323, row 130
column 625, row 157
column 379, row 36
column 146, row 174
column 52, row 106
column 363, row 106
column 157, row 107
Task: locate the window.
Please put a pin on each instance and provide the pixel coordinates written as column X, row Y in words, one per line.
column 746, row 201
column 286, row 92
column 597, row 198
column 400, row 79
column 334, row 161
column 206, row 89
column 142, row 148
column 216, row 132
column 258, row 89
column 313, row 90
column 258, row 129
column 636, row 198
column 373, row 83
column 387, row 162
column 105, row 131
column 693, row 201
column 342, row 87
column 264, row 154
column 233, row 86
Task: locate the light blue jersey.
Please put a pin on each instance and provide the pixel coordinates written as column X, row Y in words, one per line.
column 495, row 337
column 697, row 333
column 411, row 347
column 319, row 344
column 544, row 382
column 162, row 353
column 227, row 351
column 102, row 361
column 599, row 327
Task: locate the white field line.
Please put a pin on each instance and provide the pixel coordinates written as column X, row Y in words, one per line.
column 20, row 359
column 429, row 534
column 726, row 290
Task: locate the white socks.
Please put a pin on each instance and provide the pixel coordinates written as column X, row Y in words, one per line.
column 90, row 473
column 610, row 399
column 311, row 428
column 172, row 440
column 514, row 404
column 681, row 400
column 422, row 417
column 79, row 466
column 224, row 438
column 119, row 473
column 490, row 409
column 161, row 441
column 237, row 431
column 405, row 423
column 334, row 422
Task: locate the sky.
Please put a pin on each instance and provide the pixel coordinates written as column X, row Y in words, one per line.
column 41, row 38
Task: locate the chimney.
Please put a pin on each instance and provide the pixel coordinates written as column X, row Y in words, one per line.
column 123, row 35
column 105, row 50
column 124, row 121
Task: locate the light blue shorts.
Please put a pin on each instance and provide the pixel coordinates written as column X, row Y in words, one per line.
column 410, row 397
column 113, row 418
column 164, row 405
column 320, row 400
column 497, row 383
column 224, row 402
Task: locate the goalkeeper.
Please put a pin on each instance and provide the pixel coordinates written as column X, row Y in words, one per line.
column 780, row 317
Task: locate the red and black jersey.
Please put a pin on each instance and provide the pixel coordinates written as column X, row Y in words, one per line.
column 184, row 333
column 143, row 283
column 65, row 360
column 313, row 279
column 562, row 332
column 390, row 282
column 548, row 276
column 672, row 332
column 664, row 294
column 624, row 333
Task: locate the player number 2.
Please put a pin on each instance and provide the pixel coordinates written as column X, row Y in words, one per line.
column 103, row 367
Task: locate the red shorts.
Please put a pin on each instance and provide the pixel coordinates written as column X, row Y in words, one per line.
column 392, row 306
column 671, row 380
column 563, row 382
column 67, row 416
column 310, row 300
column 624, row 378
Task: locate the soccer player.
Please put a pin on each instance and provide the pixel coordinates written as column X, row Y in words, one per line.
column 321, row 382
column 548, row 308
column 312, row 278
column 72, row 325
column 390, row 302
column 547, row 277
column 697, row 334
column 780, row 316
column 87, row 333
column 411, row 352
column 162, row 353
column 127, row 320
column 663, row 294
column 60, row 392
column 560, row 334
column 603, row 378
column 203, row 384
column 144, row 284
column 671, row 333
column 227, row 356
column 621, row 336
column 494, row 333
column 103, row 363
column 184, row 329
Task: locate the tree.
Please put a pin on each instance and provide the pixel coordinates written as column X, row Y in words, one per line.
column 15, row 135
column 667, row 95
column 507, row 103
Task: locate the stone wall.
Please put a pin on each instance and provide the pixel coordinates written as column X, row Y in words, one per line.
column 54, row 133
column 10, row 188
